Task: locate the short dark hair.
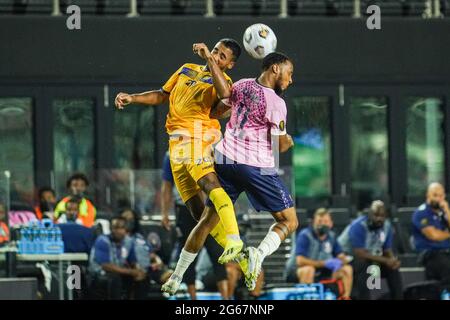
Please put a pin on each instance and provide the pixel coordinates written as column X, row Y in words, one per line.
column 233, row 45
column 77, row 176
column 45, row 189
column 321, row 212
column 274, row 58
column 75, row 199
column 120, row 219
column 136, row 217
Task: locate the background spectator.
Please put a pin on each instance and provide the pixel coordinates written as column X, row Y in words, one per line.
column 113, row 265
column 4, row 230
column 319, row 255
column 146, row 258
column 369, row 238
column 47, row 203
column 76, row 237
column 431, row 234
column 72, row 211
column 77, row 185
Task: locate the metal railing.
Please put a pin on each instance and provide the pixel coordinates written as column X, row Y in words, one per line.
column 432, row 9
column 133, row 9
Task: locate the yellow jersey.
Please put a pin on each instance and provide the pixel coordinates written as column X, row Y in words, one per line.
column 192, row 95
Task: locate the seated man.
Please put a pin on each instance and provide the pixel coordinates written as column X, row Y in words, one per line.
column 431, row 234
column 112, row 266
column 46, row 204
column 71, row 212
column 76, row 238
column 146, row 258
column 4, row 230
column 77, row 185
column 369, row 239
column 319, row 255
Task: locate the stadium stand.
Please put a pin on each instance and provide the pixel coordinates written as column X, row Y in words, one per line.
column 258, row 8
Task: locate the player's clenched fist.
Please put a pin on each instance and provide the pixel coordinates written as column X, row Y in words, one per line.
column 122, row 99
column 291, row 142
column 201, row 49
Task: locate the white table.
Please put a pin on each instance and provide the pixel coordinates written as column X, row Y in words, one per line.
column 63, row 258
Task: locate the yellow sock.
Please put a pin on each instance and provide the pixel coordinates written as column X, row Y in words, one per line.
column 225, row 210
column 219, row 234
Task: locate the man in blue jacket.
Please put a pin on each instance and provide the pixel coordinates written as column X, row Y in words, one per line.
column 369, row 239
column 431, row 234
column 319, row 255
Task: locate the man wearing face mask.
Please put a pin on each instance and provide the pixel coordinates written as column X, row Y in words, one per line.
column 319, row 256
column 369, row 239
column 47, row 203
column 77, row 185
column 431, row 234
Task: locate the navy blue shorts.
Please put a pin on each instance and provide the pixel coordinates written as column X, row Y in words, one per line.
column 263, row 186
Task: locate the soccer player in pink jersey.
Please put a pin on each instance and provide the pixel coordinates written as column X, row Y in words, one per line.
column 245, row 157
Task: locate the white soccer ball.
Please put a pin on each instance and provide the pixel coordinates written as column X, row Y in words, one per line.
column 259, row 40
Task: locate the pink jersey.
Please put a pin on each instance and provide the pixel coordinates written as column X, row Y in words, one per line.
column 257, row 112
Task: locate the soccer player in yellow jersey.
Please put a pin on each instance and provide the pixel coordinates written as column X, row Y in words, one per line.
column 191, row 93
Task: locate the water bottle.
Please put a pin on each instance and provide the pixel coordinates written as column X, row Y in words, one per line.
column 59, row 240
column 445, row 295
column 27, row 244
column 43, row 239
column 329, row 295
column 22, row 242
column 51, row 237
column 35, row 240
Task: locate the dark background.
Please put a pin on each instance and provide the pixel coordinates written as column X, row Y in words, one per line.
column 146, row 50
column 40, row 57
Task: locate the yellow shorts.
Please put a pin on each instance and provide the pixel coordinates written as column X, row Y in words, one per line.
column 190, row 160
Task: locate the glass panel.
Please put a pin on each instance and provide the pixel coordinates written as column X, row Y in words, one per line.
column 138, row 189
column 424, row 143
column 134, row 138
column 73, row 139
column 369, row 145
column 16, row 145
column 312, row 148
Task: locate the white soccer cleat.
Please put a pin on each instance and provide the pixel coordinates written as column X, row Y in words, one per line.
column 254, row 267
column 171, row 286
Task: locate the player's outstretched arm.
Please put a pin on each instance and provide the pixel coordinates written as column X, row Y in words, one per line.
column 220, row 83
column 153, row 97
